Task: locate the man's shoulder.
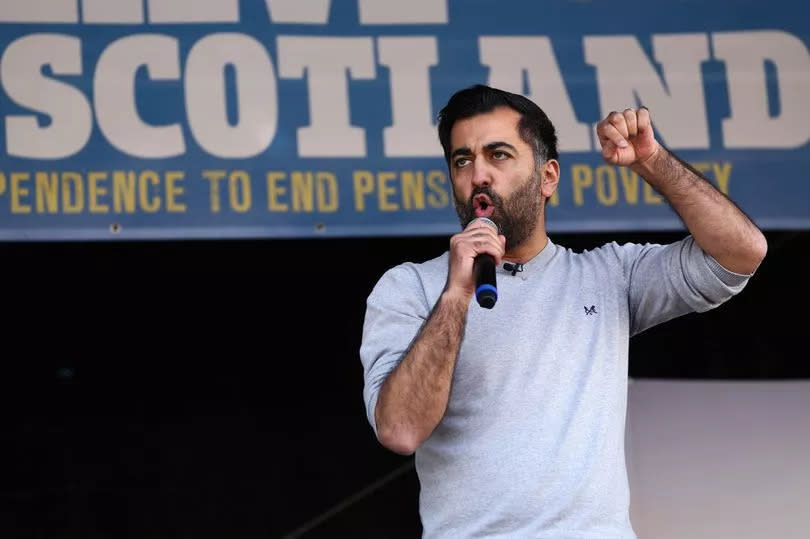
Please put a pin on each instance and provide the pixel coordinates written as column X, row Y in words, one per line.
column 609, row 250
column 415, row 272
column 614, row 258
column 614, row 250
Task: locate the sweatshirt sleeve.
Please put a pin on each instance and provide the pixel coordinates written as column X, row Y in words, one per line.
column 396, row 309
column 667, row 281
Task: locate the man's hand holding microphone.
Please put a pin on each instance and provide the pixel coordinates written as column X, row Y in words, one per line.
column 474, row 254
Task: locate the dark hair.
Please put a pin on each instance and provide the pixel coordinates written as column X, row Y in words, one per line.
column 534, row 127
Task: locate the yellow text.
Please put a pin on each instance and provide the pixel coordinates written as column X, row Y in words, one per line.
column 611, row 185
column 406, row 190
column 302, row 192
column 95, row 192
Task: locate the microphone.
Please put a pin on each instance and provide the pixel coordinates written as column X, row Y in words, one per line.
column 514, row 268
column 486, row 290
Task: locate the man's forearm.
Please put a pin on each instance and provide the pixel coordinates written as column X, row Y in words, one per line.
column 717, row 225
column 414, row 397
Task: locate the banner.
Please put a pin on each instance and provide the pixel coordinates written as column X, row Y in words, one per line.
column 150, row 119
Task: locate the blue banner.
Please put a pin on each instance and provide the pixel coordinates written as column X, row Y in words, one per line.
column 150, row 119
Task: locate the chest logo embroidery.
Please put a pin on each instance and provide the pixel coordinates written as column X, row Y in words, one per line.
column 590, row 310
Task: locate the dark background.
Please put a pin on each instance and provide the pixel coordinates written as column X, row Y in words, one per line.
column 214, row 389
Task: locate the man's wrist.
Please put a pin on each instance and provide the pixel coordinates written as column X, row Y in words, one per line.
column 653, row 164
column 455, row 297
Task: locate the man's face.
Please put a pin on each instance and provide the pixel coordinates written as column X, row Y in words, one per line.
column 494, row 174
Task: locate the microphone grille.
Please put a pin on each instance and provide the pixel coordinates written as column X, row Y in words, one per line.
column 488, row 222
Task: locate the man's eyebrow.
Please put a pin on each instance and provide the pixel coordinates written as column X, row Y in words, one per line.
column 464, row 150
column 492, row 146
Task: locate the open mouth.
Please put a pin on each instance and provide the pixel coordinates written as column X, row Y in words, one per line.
column 483, row 206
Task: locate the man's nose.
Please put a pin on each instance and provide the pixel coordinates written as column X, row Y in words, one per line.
column 482, row 174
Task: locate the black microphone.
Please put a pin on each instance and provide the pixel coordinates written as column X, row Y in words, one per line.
column 486, row 290
column 514, row 268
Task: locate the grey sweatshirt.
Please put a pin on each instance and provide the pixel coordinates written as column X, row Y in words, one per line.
column 532, row 441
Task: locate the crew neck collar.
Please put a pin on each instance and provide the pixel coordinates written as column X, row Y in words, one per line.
column 533, row 265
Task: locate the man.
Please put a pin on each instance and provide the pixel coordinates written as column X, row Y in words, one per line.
column 517, row 414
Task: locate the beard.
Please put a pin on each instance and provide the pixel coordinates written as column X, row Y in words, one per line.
column 516, row 216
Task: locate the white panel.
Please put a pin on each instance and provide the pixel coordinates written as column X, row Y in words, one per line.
column 712, row 460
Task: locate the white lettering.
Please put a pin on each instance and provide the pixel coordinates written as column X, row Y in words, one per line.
column 750, row 124
column 510, row 57
column 623, row 72
column 298, row 11
column 412, row 133
column 71, row 118
column 45, row 11
column 114, row 90
column 112, row 11
column 193, row 11
column 399, row 12
column 256, row 95
column 325, row 59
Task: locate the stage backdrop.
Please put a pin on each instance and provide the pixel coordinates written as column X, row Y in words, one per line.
column 146, row 119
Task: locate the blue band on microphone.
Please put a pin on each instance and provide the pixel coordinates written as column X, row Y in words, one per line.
column 484, row 287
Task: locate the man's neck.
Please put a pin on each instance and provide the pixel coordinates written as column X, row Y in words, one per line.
column 530, row 248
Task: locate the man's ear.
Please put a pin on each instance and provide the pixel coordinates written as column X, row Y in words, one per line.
column 550, row 177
